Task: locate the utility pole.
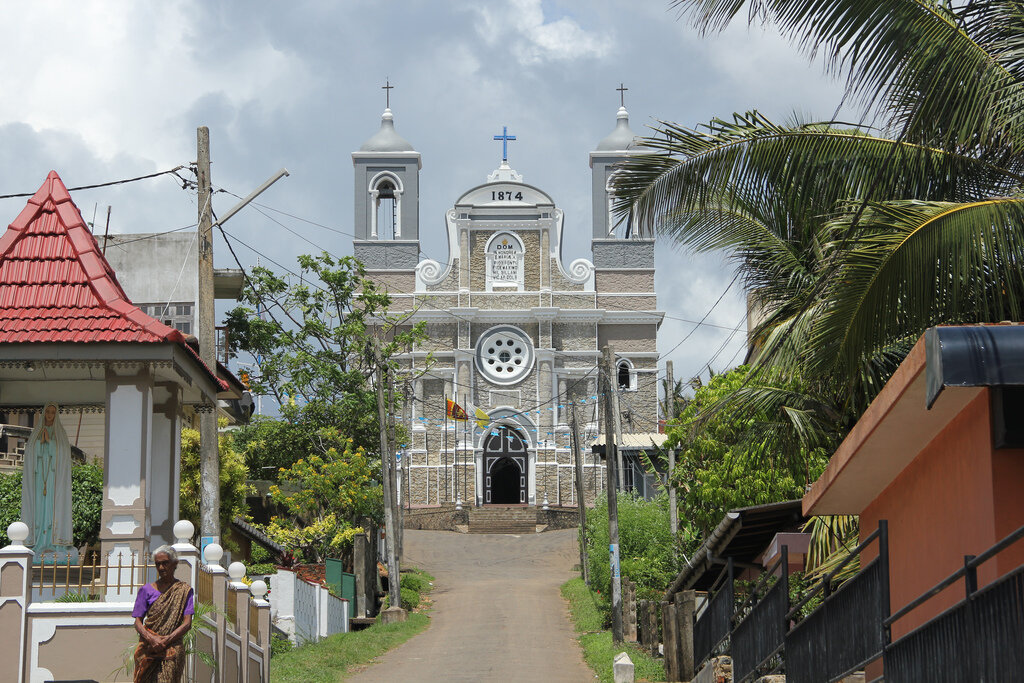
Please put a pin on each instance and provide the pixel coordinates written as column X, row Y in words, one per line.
column 578, row 460
column 209, row 457
column 610, row 455
column 616, row 422
column 670, row 414
column 387, row 468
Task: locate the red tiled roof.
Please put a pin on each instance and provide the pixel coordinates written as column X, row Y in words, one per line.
column 56, row 286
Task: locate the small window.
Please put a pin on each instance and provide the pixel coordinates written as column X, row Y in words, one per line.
column 626, row 377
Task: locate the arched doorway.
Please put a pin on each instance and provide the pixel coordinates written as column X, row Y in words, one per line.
column 504, row 467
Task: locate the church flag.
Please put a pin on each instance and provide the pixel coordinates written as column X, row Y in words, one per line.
column 483, row 420
column 455, row 411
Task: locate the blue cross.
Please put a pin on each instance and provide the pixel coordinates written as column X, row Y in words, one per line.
column 504, row 137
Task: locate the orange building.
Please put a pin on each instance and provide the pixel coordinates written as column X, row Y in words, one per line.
column 939, row 455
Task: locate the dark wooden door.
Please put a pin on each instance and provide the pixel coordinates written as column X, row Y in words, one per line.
column 505, row 467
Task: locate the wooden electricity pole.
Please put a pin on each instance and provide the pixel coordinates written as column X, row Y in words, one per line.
column 670, row 414
column 580, row 502
column 209, row 457
column 610, row 456
column 616, row 422
column 387, row 471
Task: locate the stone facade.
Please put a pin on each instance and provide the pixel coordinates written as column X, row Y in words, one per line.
column 515, row 334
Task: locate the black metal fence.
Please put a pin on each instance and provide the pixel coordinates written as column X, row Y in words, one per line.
column 846, row 631
column 715, row 622
column 760, row 635
column 981, row 638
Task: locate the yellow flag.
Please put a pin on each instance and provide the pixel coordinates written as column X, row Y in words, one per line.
column 482, row 418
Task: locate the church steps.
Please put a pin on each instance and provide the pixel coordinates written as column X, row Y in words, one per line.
column 503, row 520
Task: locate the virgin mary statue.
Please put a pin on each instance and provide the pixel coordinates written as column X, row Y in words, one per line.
column 46, row 489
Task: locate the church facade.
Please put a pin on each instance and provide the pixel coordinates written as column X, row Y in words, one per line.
column 514, row 333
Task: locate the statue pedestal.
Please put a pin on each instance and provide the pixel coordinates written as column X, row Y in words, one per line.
column 58, row 555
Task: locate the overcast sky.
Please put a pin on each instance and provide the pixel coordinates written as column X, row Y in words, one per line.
column 100, row 91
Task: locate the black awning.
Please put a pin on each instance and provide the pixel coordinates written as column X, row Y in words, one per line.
column 973, row 356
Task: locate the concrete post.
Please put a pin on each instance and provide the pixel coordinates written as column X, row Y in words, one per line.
column 165, row 468
column 360, row 546
column 685, row 606
column 669, row 639
column 188, row 554
column 238, row 592
column 15, row 596
column 213, row 553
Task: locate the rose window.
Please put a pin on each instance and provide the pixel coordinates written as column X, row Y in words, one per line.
column 504, row 354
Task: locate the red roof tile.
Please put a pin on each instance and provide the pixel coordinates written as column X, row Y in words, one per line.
column 56, row 286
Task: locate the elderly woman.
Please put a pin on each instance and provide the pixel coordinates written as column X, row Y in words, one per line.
column 163, row 615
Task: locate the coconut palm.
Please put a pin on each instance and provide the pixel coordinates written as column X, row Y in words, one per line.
column 854, row 238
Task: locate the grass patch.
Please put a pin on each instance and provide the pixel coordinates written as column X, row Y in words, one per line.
column 585, row 608
column 333, row 658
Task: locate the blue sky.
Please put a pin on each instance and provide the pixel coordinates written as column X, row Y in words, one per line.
column 100, row 91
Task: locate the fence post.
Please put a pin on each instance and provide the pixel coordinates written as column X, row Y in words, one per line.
column 360, row 547
column 238, row 593
column 651, row 618
column 263, row 610
column 883, row 557
column 188, row 554
column 15, row 596
column 670, row 641
column 685, row 607
column 212, row 554
column 629, row 609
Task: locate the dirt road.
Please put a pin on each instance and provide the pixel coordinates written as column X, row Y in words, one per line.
column 498, row 615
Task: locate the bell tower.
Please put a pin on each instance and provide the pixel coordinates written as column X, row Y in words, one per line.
column 386, row 199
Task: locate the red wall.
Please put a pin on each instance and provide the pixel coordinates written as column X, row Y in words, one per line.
column 957, row 497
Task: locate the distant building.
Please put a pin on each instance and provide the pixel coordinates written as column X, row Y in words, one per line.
column 514, row 333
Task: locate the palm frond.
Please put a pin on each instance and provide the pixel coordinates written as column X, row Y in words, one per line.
column 947, row 73
column 811, row 167
column 918, row 264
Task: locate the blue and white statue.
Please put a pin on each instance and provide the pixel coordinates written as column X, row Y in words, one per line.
column 46, row 490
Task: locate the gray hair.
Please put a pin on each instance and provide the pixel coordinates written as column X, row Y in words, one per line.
column 168, row 551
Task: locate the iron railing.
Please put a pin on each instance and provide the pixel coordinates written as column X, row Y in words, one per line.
column 847, row 631
column 760, row 634
column 92, row 578
column 981, row 638
column 714, row 623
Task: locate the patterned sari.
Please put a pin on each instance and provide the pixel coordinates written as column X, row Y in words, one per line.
column 164, row 615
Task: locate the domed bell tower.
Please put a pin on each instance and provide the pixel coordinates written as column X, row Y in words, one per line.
column 386, row 200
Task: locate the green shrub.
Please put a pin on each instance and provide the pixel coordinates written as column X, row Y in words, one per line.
column 279, row 645
column 645, row 545
column 410, row 599
column 86, row 503
column 415, row 582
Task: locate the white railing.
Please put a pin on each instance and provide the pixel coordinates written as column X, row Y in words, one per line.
column 46, row 641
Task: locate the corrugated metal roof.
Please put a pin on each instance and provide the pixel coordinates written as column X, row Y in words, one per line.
column 56, row 286
column 635, row 440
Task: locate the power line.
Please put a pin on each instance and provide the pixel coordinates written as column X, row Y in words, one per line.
column 173, row 171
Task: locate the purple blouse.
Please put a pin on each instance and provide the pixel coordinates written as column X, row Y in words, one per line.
column 148, row 595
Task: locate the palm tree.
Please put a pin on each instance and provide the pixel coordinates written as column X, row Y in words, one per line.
column 854, row 238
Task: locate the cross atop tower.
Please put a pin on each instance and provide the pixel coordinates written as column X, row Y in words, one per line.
column 622, row 94
column 387, row 88
column 504, row 137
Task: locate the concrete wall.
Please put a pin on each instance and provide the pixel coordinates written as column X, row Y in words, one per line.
column 153, row 268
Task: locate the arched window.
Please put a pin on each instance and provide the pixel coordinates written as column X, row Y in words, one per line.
column 617, row 227
column 386, row 217
column 626, row 376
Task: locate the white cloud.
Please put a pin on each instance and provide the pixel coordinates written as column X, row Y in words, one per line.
column 521, row 26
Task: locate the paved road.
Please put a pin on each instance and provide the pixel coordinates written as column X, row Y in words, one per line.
column 498, row 615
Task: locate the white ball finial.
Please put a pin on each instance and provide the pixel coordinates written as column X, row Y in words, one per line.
column 236, row 570
column 258, row 589
column 184, row 530
column 17, row 532
column 212, row 553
